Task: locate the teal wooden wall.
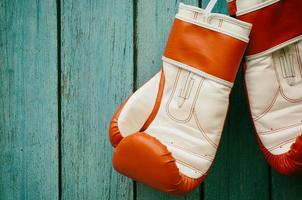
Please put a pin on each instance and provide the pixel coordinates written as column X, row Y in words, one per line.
column 65, row 66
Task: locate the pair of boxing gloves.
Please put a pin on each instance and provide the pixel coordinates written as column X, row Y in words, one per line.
column 167, row 133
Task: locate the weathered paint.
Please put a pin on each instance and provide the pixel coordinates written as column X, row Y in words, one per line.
column 106, row 50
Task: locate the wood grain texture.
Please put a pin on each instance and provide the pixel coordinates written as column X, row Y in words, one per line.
column 239, row 171
column 28, row 100
column 108, row 49
column 97, row 75
column 153, row 23
column 285, row 188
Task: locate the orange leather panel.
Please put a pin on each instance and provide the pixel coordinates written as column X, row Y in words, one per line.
column 114, row 132
column 143, row 158
column 206, row 50
column 157, row 101
column 273, row 25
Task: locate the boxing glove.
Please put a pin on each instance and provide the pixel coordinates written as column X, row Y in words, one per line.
column 167, row 133
column 273, row 78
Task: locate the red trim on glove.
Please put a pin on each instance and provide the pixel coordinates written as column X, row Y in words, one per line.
column 114, row 132
column 232, row 8
column 273, row 25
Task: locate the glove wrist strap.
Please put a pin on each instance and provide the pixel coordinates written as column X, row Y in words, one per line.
column 275, row 24
column 206, row 50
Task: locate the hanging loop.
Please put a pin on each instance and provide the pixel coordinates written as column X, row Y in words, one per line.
column 210, row 6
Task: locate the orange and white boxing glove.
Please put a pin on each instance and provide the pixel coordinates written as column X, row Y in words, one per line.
column 167, row 133
column 273, row 78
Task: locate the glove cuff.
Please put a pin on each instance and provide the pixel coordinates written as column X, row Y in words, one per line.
column 276, row 24
column 206, row 43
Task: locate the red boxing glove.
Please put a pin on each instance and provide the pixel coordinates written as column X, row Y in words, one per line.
column 273, row 78
column 167, row 133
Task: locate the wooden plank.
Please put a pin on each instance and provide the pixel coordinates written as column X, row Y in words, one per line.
column 28, row 100
column 239, row 171
column 97, row 75
column 286, row 188
column 153, row 22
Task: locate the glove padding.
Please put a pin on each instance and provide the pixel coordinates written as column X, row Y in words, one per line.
column 167, row 133
column 273, row 78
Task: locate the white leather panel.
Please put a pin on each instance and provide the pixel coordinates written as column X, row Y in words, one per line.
column 138, row 107
column 185, row 164
column 261, row 83
column 184, row 94
column 243, row 4
column 279, row 141
column 287, row 63
column 246, row 6
column 190, row 119
column 274, row 84
column 211, row 110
